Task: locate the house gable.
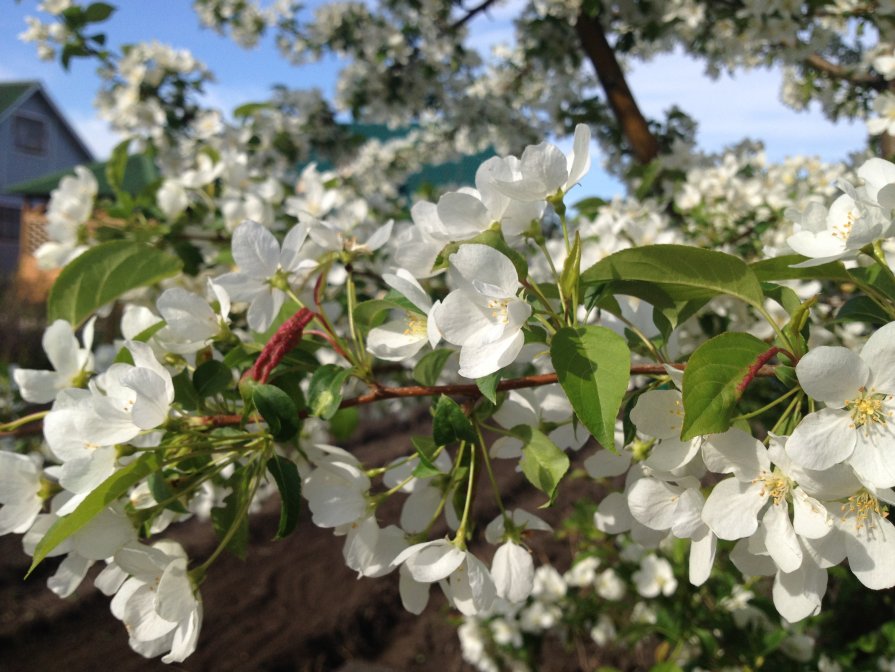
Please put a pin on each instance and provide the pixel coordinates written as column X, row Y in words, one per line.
column 35, row 137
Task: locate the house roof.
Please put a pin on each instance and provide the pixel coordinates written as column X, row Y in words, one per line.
column 142, row 171
column 139, row 173
column 13, row 94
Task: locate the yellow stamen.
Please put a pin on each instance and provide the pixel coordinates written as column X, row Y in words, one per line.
column 868, row 409
column 500, row 310
column 775, row 485
column 863, row 505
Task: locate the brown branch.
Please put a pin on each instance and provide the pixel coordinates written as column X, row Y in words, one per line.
column 380, row 392
column 633, row 124
column 470, row 15
column 836, row 71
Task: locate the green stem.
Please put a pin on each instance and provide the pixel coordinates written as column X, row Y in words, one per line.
column 777, row 330
column 460, row 539
column 24, row 420
column 761, row 410
column 199, row 572
column 786, row 413
column 361, row 357
column 534, row 289
column 650, row 346
column 489, row 469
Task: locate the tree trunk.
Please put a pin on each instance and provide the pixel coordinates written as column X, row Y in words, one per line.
column 633, row 125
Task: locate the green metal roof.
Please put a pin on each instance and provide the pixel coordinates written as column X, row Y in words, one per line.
column 460, row 172
column 11, row 92
column 139, row 173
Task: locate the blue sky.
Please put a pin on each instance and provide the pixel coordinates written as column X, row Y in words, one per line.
column 727, row 109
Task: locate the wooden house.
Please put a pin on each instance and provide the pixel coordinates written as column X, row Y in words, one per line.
column 35, row 139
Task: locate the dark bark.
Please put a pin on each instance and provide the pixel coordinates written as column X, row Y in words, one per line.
column 634, row 128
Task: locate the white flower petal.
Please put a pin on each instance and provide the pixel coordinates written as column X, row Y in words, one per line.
column 731, row 510
column 513, row 572
column 832, row 374
column 822, row 439
column 797, row 595
column 782, row 543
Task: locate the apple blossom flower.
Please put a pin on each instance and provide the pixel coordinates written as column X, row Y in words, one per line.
column 544, row 171
column 534, row 406
column 840, row 232
column 483, row 315
column 884, row 107
column 855, row 427
column 756, row 498
column 99, row 539
column 20, row 494
column 157, row 601
column 513, row 571
column 190, row 321
column 399, row 339
column 654, row 577
column 266, row 271
column 470, row 586
column 336, row 489
column 369, row 550
column 70, row 363
column 660, row 414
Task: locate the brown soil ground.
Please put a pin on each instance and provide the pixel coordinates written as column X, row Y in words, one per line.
column 291, row 605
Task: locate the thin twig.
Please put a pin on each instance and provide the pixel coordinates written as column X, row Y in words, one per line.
column 380, row 392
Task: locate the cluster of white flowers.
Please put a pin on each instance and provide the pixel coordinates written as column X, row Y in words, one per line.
column 490, row 278
column 489, row 640
column 70, row 206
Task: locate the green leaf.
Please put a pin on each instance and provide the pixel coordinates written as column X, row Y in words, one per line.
column 862, row 309
column 425, row 450
column 72, row 50
column 429, row 367
column 285, row 473
column 488, row 386
column 712, row 381
column 589, row 207
column 162, row 492
column 116, row 166
column 372, row 313
column 685, row 273
column 344, row 422
column 224, row 518
column 248, row 109
column 184, row 392
column 875, row 276
column 543, row 462
column 780, row 268
column 278, row 410
column 571, row 272
column 491, row 238
column 98, row 11
column 101, row 497
column 149, row 332
column 450, row 423
column 649, row 174
column 212, row 377
column 666, row 666
column 593, row 365
column 104, row 273
column 325, row 390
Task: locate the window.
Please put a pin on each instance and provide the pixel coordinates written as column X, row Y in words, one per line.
column 30, row 135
